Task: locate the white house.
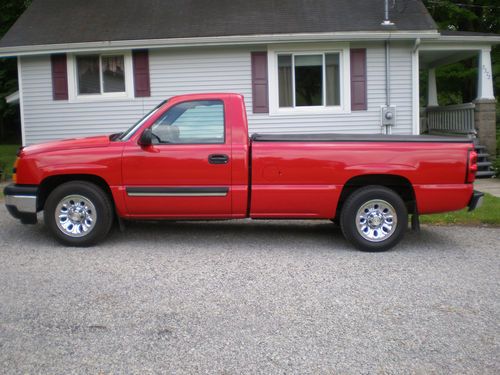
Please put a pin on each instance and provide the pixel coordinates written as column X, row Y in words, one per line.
column 344, row 66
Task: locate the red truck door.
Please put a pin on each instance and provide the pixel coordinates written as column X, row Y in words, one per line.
column 186, row 172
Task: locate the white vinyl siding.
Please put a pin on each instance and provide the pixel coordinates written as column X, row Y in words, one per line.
column 180, row 71
column 357, row 122
column 46, row 119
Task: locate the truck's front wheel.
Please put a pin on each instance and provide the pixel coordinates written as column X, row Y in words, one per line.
column 78, row 213
column 374, row 218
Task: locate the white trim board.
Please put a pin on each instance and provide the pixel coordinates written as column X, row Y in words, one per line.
column 218, row 41
column 73, row 95
column 12, row 98
column 21, row 100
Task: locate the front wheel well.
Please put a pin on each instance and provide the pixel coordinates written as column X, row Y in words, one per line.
column 401, row 185
column 50, row 183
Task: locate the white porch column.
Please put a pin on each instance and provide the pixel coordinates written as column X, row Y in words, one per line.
column 432, row 97
column 485, row 76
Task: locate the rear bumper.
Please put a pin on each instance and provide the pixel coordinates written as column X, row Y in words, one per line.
column 476, row 200
column 21, row 202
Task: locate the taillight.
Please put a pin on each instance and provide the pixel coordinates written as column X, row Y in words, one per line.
column 471, row 167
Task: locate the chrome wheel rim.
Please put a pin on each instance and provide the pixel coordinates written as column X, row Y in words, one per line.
column 376, row 220
column 75, row 216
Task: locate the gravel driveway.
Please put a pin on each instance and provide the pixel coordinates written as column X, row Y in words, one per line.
column 241, row 298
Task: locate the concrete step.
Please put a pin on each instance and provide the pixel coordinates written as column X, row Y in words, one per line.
column 485, row 174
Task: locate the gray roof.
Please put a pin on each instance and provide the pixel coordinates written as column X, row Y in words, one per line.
column 75, row 21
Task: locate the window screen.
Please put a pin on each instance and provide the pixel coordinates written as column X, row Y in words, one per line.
column 88, row 74
column 113, row 73
column 100, row 74
column 307, row 80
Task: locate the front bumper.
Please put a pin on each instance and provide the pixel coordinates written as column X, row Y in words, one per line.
column 21, row 202
column 476, row 200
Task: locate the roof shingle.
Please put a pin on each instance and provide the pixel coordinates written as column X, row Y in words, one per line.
column 76, row 21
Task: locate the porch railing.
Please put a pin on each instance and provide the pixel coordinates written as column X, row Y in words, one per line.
column 453, row 119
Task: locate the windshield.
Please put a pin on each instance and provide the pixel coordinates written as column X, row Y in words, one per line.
column 125, row 136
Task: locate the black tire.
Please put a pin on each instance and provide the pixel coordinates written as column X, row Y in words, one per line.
column 97, row 214
column 372, row 236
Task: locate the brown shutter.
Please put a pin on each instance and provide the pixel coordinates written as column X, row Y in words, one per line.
column 141, row 73
column 358, row 80
column 59, row 77
column 260, row 97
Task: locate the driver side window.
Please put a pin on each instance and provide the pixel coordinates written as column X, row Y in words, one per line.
column 194, row 122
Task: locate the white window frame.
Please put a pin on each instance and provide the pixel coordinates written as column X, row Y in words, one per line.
column 310, row 49
column 73, row 94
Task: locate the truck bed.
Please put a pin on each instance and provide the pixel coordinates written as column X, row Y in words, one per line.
column 303, row 175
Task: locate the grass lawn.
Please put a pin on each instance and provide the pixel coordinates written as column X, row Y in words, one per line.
column 7, row 159
column 496, row 164
column 488, row 213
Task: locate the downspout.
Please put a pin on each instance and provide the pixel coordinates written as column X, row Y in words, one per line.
column 387, row 129
column 388, row 115
column 417, row 44
column 416, row 121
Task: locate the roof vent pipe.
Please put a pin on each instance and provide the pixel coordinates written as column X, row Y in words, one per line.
column 387, row 21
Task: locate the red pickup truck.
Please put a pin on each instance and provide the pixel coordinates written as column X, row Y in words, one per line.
column 191, row 158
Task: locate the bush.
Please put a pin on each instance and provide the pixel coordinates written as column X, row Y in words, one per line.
column 7, row 159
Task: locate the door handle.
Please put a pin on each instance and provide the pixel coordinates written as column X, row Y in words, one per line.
column 218, row 159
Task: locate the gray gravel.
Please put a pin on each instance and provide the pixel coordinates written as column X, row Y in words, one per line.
column 240, row 298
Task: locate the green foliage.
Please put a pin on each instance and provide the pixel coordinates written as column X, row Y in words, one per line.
column 487, row 214
column 10, row 10
column 458, row 82
column 465, row 15
column 7, row 159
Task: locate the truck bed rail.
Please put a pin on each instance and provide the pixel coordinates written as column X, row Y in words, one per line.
column 332, row 137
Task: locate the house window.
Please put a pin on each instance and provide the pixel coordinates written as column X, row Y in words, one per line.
column 96, row 76
column 309, row 80
column 100, row 74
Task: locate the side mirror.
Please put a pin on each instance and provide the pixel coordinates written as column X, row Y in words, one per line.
column 146, row 138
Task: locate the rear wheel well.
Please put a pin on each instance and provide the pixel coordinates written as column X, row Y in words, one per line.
column 401, row 185
column 50, row 183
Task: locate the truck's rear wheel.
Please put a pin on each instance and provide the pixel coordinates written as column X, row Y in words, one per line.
column 78, row 213
column 374, row 218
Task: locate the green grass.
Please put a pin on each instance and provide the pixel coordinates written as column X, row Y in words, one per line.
column 7, row 159
column 487, row 214
column 496, row 163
